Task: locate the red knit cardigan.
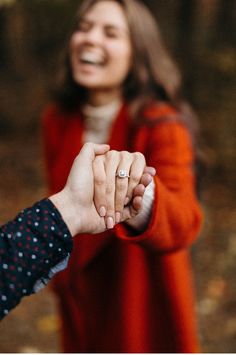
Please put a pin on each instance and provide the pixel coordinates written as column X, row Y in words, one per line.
column 123, row 291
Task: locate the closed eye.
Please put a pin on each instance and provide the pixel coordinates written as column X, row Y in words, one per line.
column 84, row 26
column 114, row 32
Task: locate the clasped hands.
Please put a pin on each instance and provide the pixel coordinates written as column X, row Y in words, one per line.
column 95, row 198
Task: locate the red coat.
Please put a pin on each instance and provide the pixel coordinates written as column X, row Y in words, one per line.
column 124, row 292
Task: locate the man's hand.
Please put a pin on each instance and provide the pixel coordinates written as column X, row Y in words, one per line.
column 75, row 201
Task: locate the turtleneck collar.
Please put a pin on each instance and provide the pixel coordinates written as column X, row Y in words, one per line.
column 98, row 120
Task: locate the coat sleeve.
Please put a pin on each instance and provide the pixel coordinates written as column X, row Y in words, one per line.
column 176, row 216
column 33, row 247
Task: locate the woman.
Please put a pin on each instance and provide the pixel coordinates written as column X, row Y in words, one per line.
column 132, row 290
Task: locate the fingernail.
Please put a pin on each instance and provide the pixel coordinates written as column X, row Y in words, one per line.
column 110, row 223
column 102, row 211
column 118, row 216
column 126, row 200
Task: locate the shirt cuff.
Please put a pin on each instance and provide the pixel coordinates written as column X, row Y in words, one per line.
column 62, row 239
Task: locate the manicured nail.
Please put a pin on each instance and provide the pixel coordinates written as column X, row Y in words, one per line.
column 110, row 223
column 126, row 200
column 102, row 211
column 118, row 216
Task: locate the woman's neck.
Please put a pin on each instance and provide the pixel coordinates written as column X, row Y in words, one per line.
column 102, row 98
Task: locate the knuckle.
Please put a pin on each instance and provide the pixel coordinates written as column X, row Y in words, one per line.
column 124, row 154
column 109, row 189
column 139, row 156
column 99, row 181
column 97, row 161
column 111, row 154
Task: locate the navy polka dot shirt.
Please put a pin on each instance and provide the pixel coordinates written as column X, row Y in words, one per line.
column 33, row 247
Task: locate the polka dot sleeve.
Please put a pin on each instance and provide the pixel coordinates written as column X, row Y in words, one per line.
column 33, row 247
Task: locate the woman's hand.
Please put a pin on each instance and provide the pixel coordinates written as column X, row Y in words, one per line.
column 120, row 179
column 135, row 205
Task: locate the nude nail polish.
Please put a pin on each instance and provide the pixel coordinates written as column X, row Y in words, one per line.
column 102, row 211
column 110, row 223
column 118, row 216
column 126, row 200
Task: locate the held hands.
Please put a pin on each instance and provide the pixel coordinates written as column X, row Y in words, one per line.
column 93, row 198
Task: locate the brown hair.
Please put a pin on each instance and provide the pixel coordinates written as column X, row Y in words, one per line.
column 153, row 76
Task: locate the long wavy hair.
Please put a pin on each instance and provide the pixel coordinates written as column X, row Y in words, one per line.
column 152, row 77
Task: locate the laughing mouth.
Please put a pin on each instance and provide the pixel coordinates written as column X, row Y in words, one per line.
column 91, row 58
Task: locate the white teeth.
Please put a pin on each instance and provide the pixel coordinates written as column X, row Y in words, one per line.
column 90, row 57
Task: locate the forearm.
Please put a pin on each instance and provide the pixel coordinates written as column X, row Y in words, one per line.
column 174, row 222
column 30, row 246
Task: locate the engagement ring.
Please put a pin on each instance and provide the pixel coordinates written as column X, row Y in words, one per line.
column 122, row 174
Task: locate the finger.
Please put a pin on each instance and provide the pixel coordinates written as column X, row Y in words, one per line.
column 99, row 185
column 137, row 204
column 136, row 172
column 146, row 179
column 93, row 149
column 137, row 201
column 150, row 170
column 132, row 210
column 125, row 214
column 138, row 191
column 122, row 182
column 111, row 164
column 100, row 148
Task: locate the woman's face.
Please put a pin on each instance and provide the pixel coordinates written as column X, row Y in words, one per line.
column 100, row 50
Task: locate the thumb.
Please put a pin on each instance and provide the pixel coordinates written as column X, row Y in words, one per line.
column 90, row 150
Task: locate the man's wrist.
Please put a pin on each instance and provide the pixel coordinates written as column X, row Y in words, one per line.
column 68, row 210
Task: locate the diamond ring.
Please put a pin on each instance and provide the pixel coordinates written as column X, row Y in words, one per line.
column 122, row 174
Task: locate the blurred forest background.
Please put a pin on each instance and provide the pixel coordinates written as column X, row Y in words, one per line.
column 201, row 35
